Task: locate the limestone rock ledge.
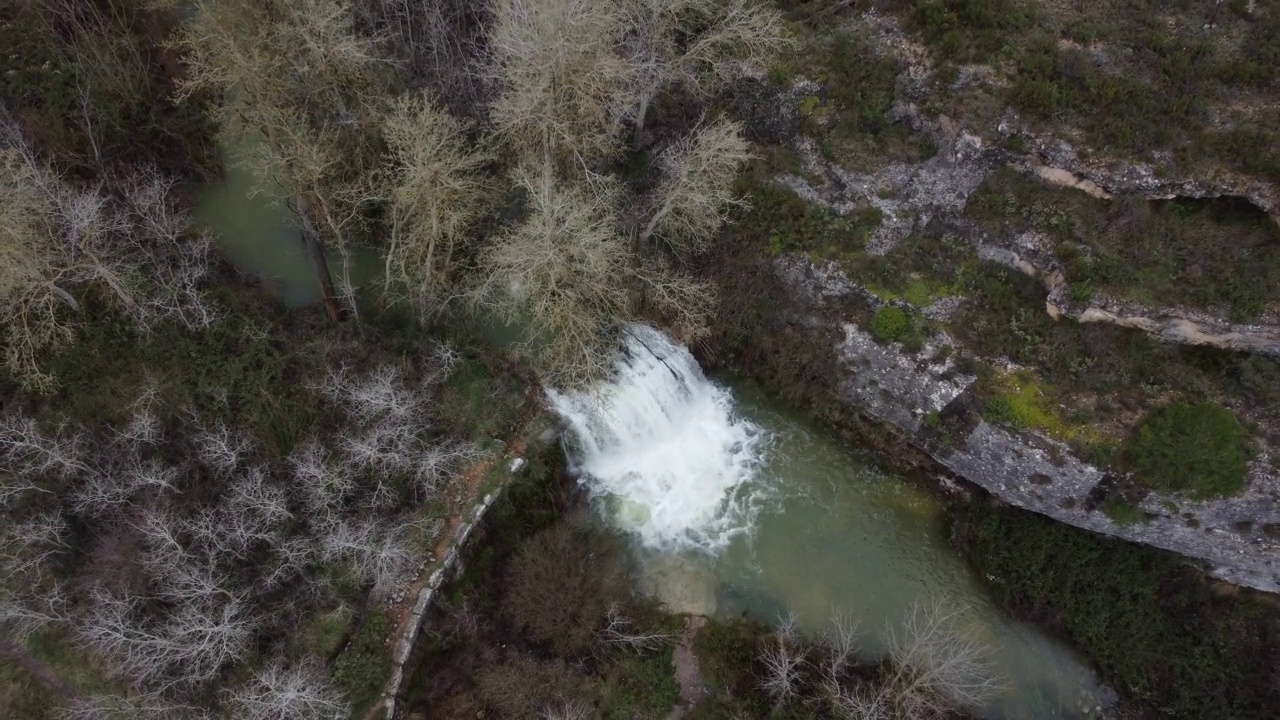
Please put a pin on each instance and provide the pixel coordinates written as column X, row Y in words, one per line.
column 1238, row 538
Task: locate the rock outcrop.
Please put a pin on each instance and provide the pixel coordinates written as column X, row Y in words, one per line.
column 1237, row 538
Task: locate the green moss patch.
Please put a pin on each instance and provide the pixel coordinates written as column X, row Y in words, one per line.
column 1198, row 449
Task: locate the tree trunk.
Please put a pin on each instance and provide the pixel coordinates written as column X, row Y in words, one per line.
column 318, row 261
column 637, row 137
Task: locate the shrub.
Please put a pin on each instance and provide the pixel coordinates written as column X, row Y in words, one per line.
column 324, row 634
column 889, row 324
column 523, row 688
column 561, row 583
column 1008, row 410
column 1198, row 449
column 640, row 685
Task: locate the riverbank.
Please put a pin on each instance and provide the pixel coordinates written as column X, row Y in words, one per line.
column 546, row 622
column 1166, row 635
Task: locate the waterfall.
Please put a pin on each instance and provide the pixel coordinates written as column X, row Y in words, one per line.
column 662, row 449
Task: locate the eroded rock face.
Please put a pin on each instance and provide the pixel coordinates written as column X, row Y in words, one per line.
column 1238, row 538
column 897, row 387
column 1119, row 177
column 1035, row 472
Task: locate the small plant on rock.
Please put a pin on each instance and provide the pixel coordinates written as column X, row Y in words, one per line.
column 889, row 324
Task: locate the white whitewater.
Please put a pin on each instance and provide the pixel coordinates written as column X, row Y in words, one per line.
column 663, row 449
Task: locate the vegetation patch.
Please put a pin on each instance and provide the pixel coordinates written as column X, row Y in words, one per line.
column 779, row 221
column 523, row 688
column 1153, row 625
column 326, row 633
column 1199, row 449
column 24, row 696
column 1018, row 401
column 1123, row 513
column 640, row 685
column 587, row 568
column 364, row 666
column 966, row 31
column 1220, row 255
column 889, row 324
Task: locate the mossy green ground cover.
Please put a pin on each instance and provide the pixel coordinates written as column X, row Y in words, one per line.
column 1199, row 449
column 1157, row 628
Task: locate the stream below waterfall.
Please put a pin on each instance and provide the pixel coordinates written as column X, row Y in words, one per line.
column 736, row 505
column 739, row 506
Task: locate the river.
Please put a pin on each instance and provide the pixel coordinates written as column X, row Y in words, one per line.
column 738, row 505
column 735, row 503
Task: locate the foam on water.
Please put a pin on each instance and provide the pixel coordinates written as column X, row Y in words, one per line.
column 663, row 449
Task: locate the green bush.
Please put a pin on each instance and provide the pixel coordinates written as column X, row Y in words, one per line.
column 323, row 635
column 970, row 30
column 1198, row 449
column 889, row 324
column 1008, row 410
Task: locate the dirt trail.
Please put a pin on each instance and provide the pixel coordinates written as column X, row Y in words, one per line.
column 688, row 674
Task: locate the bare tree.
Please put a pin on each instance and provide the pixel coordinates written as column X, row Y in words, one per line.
column 566, row 272
column 166, row 550
column 195, row 580
column 700, row 45
column 174, row 258
column 696, row 192
column 937, row 665
column 31, row 456
column 221, row 449
column 144, row 426
column 840, row 641
column 324, row 483
column 568, row 710
column 377, row 395
column 439, row 43
column 437, row 192
column 305, row 81
column 253, row 495
column 140, row 706
column 564, row 88
column 783, row 660
column 119, row 483
column 28, row 544
column 861, row 703
column 289, row 558
column 56, row 238
column 280, row 691
column 48, row 244
column 187, row 648
column 376, row 552
column 620, row 631
column 437, row 464
column 23, row 614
